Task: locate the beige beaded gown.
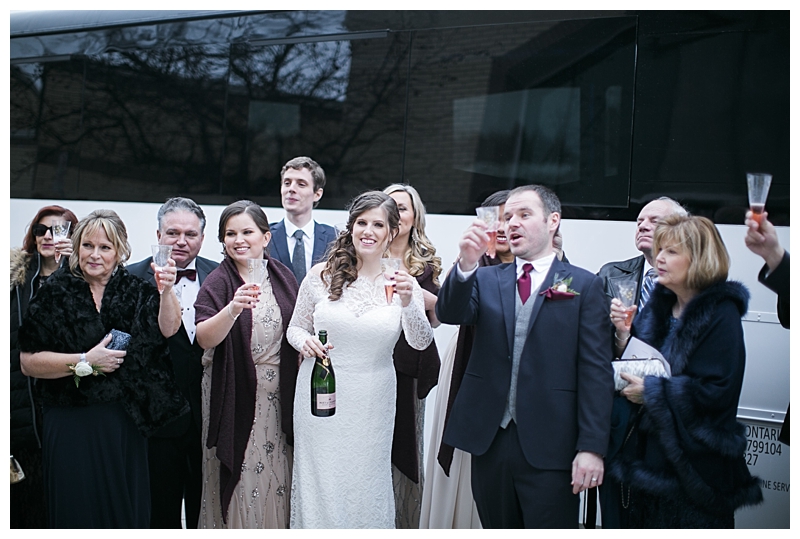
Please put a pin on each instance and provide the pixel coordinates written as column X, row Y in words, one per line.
column 261, row 498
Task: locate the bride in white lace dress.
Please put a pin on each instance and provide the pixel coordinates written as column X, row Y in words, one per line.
column 342, row 464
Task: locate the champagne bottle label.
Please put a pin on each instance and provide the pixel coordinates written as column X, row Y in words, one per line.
column 326, row 401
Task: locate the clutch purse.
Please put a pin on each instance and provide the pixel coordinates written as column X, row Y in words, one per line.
column 639, row 359
column 119, row 340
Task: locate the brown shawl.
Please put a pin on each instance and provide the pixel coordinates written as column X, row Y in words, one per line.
column 233, row 380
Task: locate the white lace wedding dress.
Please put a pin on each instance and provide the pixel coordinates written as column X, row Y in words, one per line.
column 342, row 475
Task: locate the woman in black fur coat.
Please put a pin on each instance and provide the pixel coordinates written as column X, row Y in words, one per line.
column 94, row 448
column 682, row 465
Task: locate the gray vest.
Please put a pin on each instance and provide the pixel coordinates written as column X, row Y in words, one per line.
column 522, row 314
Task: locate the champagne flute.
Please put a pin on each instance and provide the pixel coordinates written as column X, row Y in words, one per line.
column 626, row 294
column 257, row 269
column 389, row 266
column 60, row 233
column 757, row 189
column 161, row 255
column 490, row 216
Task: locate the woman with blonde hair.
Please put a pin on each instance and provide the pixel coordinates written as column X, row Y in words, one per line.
column 417, row 371
column 342, row 468
column 101, row 400
column 682, row 464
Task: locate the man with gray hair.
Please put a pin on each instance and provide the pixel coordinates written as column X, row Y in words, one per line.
column 298, row 241
column 175, row 450
column 640, row 270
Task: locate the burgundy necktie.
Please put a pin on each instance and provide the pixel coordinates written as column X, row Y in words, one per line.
column 189, row 274
column 524, row 283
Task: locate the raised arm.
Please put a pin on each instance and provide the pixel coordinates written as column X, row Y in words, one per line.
column 416, row 326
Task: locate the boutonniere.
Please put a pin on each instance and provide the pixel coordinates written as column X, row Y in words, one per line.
column 83, row 369
column 560, row 289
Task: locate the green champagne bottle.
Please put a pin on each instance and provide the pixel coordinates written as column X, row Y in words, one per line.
column 323, row 383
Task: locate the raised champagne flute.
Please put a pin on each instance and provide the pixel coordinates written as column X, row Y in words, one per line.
column 757, row 189
column 161, row 255
column 257, row 272
column 257, row 269
column 490, row 215
column 60, row 233
column 626, row 294
column 389, row 266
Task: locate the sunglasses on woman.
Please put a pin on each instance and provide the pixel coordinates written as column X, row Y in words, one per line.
column 40, row 230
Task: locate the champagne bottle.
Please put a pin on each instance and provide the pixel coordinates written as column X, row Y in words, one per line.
column 323, row 383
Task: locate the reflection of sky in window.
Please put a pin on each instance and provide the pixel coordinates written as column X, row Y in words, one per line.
column 34, row 74
column 320, row 70
column 525, row 134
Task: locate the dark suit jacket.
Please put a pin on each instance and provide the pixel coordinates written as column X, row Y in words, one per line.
column 565, row 384
column 279, row 247
column 778, row 282
column 186, row 356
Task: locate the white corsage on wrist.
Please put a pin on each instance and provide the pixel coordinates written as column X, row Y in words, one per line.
column 82, row 369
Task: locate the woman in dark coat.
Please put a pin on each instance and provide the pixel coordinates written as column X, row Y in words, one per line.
column 417, row 371
column 94, row 447
column 682, row 465
column 31, row 266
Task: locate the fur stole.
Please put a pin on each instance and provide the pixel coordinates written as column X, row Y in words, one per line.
column 20, row 262
column 653, row 326
column 687, row 446
column 62, row 318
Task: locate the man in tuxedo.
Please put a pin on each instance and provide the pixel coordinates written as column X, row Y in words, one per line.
column 175, row 451
column 533, row 408
column 298, row 241
column 641, row 271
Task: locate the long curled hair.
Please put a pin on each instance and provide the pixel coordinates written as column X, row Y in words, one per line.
column 341, row 268
column 420, row 251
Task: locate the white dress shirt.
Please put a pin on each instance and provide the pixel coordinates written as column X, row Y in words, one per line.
column 187, row 290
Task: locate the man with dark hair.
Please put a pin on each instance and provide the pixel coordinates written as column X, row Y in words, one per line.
column 537, row 361
column 175, row 451
column 298, row 241
column 639, row 269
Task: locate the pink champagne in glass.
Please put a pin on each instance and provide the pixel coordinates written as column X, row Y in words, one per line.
column 757, row 189
column 490, row 215
column 491, row 249
column 758, row 212
column 389, row 266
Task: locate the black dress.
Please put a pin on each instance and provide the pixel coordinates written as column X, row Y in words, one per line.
column 94, row 447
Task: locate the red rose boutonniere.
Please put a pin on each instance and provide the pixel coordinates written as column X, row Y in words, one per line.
column 560, row 290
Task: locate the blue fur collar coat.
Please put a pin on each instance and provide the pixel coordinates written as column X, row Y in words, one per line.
column 688, row 442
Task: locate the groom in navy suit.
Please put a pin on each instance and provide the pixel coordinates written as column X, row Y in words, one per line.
column 298, row 241
column 534, row 406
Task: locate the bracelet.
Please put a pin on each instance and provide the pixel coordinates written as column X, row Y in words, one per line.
column 230, row 313
column 83, row 358
column 621, row 340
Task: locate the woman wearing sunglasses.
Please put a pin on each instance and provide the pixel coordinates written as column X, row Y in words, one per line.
column 30, row 267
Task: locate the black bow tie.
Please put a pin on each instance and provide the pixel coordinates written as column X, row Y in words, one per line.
column 189, row 274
